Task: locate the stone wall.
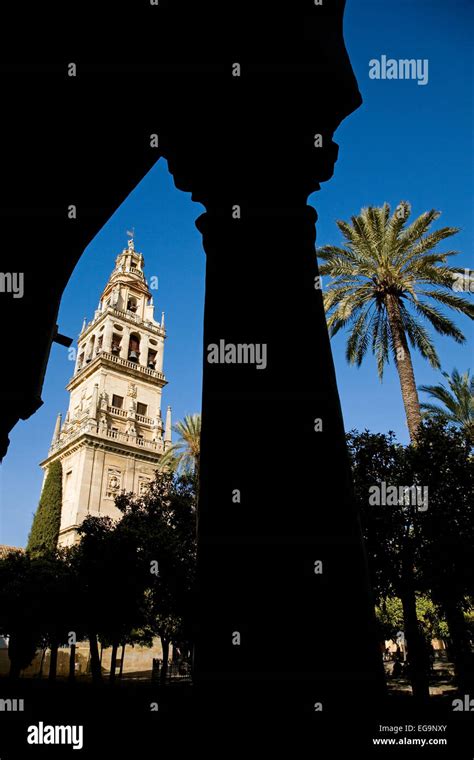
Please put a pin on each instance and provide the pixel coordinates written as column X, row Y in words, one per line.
column 136, row 660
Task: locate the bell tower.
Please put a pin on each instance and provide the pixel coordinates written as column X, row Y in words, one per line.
column 113, row 436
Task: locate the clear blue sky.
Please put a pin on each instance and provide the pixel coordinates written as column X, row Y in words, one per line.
column 406, row 142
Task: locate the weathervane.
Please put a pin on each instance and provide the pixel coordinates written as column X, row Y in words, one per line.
column 131, row 235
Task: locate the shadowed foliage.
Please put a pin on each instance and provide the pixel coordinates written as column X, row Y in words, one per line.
column 44, row 532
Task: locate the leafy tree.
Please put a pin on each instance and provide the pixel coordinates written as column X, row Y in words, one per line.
column 136, row 574
column 469, row 620
column 427, row 552
column 391, row 535
column 36, row 606
column 19, row 610
column 375, row 458
column 111, row 586
column 386, row 277
column 163, row 523
column 90, row 562
column 46, row 522
column 55, row 598
column 125, row 582
column 457, row 400
column 432, row 619
column 389, row 614
column 441, row 461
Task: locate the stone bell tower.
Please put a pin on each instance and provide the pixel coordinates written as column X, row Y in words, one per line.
column 113, row 436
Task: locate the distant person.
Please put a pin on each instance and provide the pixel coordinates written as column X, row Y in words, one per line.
column 397, row 669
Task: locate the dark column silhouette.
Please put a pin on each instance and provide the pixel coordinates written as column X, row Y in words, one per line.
column 275, row 434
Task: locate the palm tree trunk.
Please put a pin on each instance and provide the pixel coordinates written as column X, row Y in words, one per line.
column 122, row 659
column 404, row 367
column 94, row 658
column 113, row 661
column 72, row 662
column 197, row 475
column 53, row 662
column 165, row 645
column 43, row 654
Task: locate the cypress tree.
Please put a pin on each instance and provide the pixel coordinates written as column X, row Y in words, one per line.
column 44, row 532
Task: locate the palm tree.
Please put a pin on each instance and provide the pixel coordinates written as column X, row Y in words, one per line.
column 386, row 277
column 183, row 456
column 458, row 400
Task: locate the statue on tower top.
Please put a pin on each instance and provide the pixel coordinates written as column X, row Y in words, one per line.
column 131, row 235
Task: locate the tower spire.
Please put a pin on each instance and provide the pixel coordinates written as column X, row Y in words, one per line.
column 168, row 428
column 57, row 430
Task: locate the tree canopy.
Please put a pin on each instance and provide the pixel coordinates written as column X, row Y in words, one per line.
column 44, row 532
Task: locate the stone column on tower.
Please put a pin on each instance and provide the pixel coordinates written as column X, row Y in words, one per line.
column 124, row 343
column 94, row 402
column 143, row 350
column 158, row 427
column 107, row 342
column 76, row 366
column 159, row 354
column 89, row 349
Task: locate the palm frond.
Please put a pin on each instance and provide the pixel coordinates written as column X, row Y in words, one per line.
column 385, row 256
column 426, row 243
column 457, row 400
column 419, row 338
column 458, row 303
column 417, row 229
column 184, row 454
column 440, row 322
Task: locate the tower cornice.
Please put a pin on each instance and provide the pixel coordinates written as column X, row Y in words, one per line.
column 111, row 362
column 148, row 451
column 126, row 316
column 128, row 279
